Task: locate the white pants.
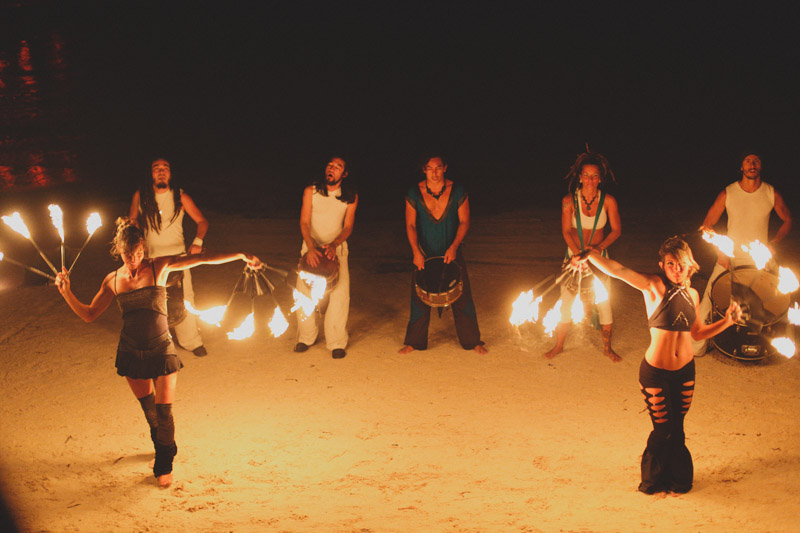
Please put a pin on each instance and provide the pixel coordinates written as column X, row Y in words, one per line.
column 604, row 315
column 188, row 336
column 336, row 313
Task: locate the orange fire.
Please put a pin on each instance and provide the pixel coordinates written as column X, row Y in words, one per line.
column 525, row 308
column 551, row 318
column 245, row 330
column 759, row 252
column 722, row 242
column 787, row 281
column 278, row 324
column 784, row 345
column 209, row 316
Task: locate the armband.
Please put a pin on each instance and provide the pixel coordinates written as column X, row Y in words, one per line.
column 197, row 242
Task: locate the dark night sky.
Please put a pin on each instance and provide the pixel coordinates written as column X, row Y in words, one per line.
column 258, row 97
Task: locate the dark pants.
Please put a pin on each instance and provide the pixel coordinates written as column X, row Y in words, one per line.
column 464, row 315
column 666, row 462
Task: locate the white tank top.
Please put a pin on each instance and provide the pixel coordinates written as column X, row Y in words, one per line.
column 587, row 222
column 748, row 214
column 169, row 239
column 327, row 216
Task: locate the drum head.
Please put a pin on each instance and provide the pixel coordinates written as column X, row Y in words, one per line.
column 326, row 267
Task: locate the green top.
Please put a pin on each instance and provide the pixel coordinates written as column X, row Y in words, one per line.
column 436, row 235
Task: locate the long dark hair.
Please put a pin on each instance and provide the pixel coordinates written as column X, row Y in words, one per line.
column 348, row 184
column 589, row 158
column 149, row 217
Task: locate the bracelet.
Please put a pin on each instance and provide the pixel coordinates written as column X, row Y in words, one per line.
column 197, row 242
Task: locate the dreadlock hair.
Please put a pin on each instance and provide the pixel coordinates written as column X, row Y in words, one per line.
column 589, row 158
column 349, row 186
column 126, row 238
column 679, row 249
column 149, row 217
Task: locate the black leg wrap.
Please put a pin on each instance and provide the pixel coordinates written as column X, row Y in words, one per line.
column 166, row 425
column 148, row 404
column 164, row 456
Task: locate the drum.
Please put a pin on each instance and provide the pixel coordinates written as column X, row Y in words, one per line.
column 763, row 312
column 439, row 284
column 327, row 269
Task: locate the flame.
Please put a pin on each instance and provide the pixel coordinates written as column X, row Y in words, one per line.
column 317, row 285
column 93, row 222
column 759, row 252
column 722, row 242
column 551, row 318
column 1, row 256
column 577, row 309
column 794, row 315
column 15, row 222
column 209, row 316
column 57, row 216
column 525, row 308
column 787, row 281
column 600, row 292
column 784, row 345
column 278, row 325
column 245, row 330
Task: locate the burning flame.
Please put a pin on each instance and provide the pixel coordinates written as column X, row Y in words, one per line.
column 784, row 345
column 600, row 292
column 317, row 284
column 1, row 258
column 577, row 309
column 209, row 316
column 722, row 242
column 93, row 222
column 57, row 216
column 759, row 252
column 551, row 318
column 245, row 330
column 525, row 308
column 15, row 222
column 794, row 315
column 787, row 281
column 278, row 324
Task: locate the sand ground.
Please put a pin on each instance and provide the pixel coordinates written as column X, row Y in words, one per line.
column 440, row 440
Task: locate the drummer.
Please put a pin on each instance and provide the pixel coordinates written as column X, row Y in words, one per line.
column 437, row 220
column 326, row 221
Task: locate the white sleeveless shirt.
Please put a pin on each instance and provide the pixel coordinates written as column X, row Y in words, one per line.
column 748, row 215
column 169, row 239
column 327, row 216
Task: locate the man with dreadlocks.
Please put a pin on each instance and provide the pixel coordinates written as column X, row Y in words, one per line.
column 326, row 221
column 158, row 208
column 585, row 213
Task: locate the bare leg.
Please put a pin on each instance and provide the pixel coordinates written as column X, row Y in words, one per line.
column 611, row 354
column 561, row 335
column 406, row 349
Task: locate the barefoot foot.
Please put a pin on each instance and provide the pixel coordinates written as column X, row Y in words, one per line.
column 165, row 480
column 611, row 354
column 481, row 349
column 553, row 352
column 406, row 349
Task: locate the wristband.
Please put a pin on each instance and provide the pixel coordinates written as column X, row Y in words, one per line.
column 197, row 242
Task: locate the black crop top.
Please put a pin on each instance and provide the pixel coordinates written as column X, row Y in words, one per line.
column 676, row 312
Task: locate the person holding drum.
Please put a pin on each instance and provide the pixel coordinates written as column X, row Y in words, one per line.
column 748, row 202
column 146, row 355
column 667, row 372
column 326, row 221
column 437, row 220
column 585, row 213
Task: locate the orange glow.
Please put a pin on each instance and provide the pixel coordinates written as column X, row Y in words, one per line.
column 15, row 222
column 794, row 315
column 245, row 330
column 551, row 318
column 787, row 281
column 723, row 243
column 759, row 252
column 525, row 308
column 600, row 292
column 784, row 345
column 209, row 316
column 278, row 324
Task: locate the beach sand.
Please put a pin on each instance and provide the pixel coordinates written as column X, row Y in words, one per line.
column 438, row 440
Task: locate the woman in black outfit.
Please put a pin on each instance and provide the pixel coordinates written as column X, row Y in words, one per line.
column 145, row 354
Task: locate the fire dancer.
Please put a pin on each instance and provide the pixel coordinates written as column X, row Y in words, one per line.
column 667, row 373
column 748, row 203
column 585, row 213
column 326, row 221
column 145, row 353
column 437, row 220
column 158, row 208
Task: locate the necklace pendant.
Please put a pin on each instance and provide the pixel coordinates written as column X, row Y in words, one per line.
column 439, row 194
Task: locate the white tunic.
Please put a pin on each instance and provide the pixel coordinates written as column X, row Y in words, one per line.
column 327, row 216
column 748, row 214
column 169, row 239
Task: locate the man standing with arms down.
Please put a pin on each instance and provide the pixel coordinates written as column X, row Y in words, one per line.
column 326, row 221
column 158, row 208
column 437, row 220
column 748, row 203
